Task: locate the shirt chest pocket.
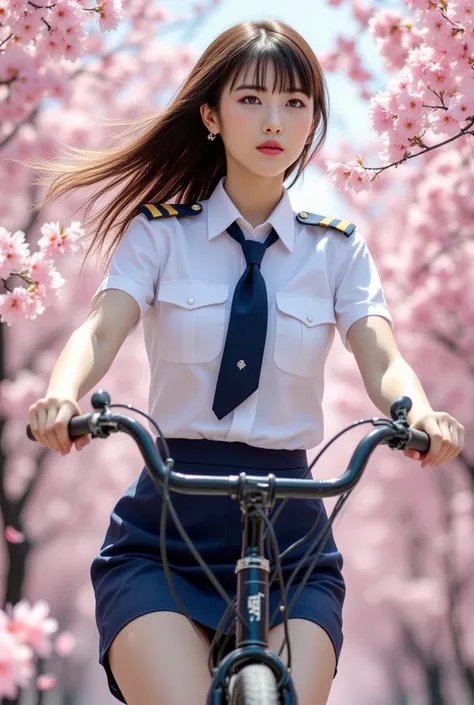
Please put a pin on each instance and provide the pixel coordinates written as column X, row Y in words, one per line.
column 304, row 331
column 191, row 320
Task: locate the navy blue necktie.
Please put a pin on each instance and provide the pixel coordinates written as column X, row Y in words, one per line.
column 241, row 363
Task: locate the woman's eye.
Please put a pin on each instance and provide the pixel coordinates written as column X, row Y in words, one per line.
column 251, row 100
column 295, row 100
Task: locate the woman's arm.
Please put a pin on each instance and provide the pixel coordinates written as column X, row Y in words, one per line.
column 385, row 373
column 93, row 346
column 386, row 376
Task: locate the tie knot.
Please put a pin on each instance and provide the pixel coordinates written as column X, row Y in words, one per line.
column 253, row 251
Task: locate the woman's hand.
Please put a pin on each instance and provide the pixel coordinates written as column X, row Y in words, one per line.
column 446, row 436
column 49, row 418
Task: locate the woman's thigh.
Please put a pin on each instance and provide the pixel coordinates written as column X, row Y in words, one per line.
column 158, row 659
column 313, row 660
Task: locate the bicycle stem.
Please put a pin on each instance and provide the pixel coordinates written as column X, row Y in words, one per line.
column 253, row 572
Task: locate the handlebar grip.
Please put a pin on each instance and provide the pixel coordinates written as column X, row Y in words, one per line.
column 419, row 441
column 78, row 426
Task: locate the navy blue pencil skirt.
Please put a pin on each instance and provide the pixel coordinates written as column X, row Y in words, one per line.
column 128, row 577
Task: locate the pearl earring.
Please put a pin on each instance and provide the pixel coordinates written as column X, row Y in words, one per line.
column 211, row 137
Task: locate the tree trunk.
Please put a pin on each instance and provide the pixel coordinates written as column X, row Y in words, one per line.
column 16, row 553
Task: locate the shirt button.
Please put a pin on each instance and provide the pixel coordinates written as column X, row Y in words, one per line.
column 309, row 318
column 190, row 302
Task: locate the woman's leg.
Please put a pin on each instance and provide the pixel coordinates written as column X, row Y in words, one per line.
column 158, row 659
column 313, row 660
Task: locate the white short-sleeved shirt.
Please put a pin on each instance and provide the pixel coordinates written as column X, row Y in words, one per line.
column 182, row 272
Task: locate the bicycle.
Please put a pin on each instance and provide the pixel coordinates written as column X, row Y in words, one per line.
column 250, row 674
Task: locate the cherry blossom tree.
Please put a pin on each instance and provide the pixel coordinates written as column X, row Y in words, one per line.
column 429, row 103
column 60, row 76
column 408, row 531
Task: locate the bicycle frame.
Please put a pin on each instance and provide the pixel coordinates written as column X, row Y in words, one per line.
column 253, row 571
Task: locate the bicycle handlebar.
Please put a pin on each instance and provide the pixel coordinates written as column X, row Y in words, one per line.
column 394, row 432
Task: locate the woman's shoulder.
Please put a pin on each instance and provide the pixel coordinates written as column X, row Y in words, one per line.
column 155, row 211
column 342, row 226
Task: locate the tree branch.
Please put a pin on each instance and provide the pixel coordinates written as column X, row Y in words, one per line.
column 407, row 155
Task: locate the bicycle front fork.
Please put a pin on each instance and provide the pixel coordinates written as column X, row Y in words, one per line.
column 253, row 571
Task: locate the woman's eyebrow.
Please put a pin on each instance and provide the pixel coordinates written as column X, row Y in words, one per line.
column 263, row 89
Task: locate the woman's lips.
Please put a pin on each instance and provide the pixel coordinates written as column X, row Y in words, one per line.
column 271, row 151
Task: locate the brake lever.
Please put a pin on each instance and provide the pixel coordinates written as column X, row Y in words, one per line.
column 399, row 411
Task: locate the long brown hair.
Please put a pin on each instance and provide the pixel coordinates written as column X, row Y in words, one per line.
column 167, row 157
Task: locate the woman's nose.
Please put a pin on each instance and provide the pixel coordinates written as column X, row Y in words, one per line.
column 273, row 121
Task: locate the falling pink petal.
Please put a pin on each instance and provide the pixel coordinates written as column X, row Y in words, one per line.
column 45, row 682
column 65, row 643
column 12, row 535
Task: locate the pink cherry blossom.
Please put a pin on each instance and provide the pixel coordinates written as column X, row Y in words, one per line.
column 110, row 12
column 445, row 124
column 406, row 127
column 13, row 305
column 27, row 26
column 39, row 268
column 14, row 252
column 437, row 29
column 462, row 13
column 58, row 240
column 384, row 24
column 15, row 665
column 17, row 6
column 35, row 304
column 420, row 60
column 67, row 16
column 56, row 85
column 73, row 47
column 362, row 13
column 410, row 103
column 380, row 116
column 339, row 173
column 461, row 110
column 5, row 12
column 31, row 625
column 14, row 63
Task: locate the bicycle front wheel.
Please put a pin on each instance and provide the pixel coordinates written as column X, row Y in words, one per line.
column 255, row 684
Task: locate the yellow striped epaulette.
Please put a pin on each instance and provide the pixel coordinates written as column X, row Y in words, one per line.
column 166, row 210
column 313, row 219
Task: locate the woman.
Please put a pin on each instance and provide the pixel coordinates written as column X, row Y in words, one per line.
column 235, row 386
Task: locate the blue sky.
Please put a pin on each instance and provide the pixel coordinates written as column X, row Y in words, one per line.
column 319, row 24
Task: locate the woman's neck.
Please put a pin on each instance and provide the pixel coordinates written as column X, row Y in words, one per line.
column 255, row 196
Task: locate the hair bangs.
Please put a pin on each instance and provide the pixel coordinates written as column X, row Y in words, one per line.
column 292, row 70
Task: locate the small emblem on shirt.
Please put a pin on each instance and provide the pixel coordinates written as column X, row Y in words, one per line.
column 241, row 364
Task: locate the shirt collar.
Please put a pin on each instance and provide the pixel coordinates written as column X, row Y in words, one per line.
column 221, row 212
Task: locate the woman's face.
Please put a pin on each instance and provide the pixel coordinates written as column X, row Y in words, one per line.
column 248, row 117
